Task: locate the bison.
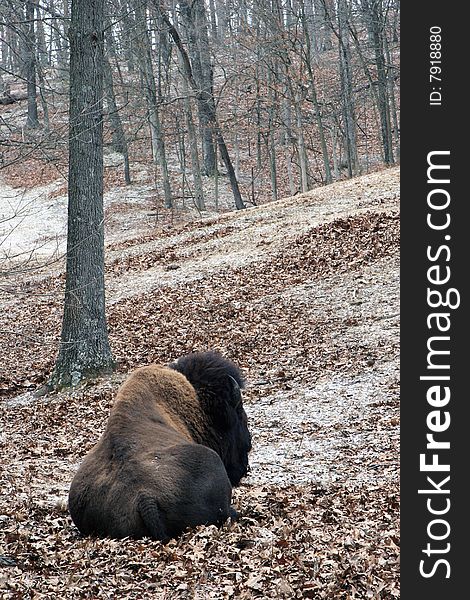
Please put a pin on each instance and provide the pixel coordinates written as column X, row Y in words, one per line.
column 176, row 442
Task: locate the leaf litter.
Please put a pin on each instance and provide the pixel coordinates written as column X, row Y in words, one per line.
column 304, row 295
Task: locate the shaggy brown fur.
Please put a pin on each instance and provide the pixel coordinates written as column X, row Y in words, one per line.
column 159, row 465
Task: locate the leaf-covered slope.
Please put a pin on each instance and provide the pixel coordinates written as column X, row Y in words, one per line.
column 303, row 294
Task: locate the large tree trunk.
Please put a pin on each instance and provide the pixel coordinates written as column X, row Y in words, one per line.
column 61, row 34
column 314, row 97
column 286, row 140
column 222, row 17
column 195, row 164
column 85, row 351
column 150, row 91
column 303, row 157
column 239, row 204
column 321, row 33
column 391, row 93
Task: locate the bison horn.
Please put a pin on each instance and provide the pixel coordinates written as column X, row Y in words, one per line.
column 237, row 394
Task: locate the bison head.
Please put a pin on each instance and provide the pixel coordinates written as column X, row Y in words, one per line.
column 175, row 442
column 218, row 383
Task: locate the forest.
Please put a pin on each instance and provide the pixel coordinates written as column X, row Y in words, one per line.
column 281, row 96
column 193, row 176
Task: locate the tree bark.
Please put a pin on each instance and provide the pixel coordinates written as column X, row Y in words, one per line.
column 313, row 92
column 212, row 13
column 376, row 14
column 349, row 117
column 195, row 24
column 195, row 164
column 303, row 157
column 84, row 351
column 192, row 82
column 32, row 121
column 117, row 132
column 150, row 91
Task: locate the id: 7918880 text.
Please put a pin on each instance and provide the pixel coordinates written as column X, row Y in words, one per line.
column 435, row 65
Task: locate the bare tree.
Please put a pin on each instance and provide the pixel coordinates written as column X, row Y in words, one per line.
column 30, row 52
column 117, row 130
column 151, row 95
column 294, row 92
column 345, row 69
column 195, row 25
column 84, row 350
column 201, row 96
column 374, row 13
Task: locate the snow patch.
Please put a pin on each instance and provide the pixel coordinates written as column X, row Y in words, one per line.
column 301, row 436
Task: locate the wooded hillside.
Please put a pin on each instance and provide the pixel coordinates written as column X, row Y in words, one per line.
column 280, row 96
column 195, row 175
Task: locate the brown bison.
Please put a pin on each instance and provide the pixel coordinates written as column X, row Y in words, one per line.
column 175, row 442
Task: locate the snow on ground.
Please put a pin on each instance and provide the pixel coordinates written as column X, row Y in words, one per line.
column 302, row 436
column 31, row 222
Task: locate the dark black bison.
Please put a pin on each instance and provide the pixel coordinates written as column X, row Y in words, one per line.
column 176, row 441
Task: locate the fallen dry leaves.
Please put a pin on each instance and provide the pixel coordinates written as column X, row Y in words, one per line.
column 321, row 307
column 294, row 542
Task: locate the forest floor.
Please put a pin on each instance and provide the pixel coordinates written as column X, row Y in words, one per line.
column 303, row 294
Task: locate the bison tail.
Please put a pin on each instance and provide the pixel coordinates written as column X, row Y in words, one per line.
column 148, row 510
